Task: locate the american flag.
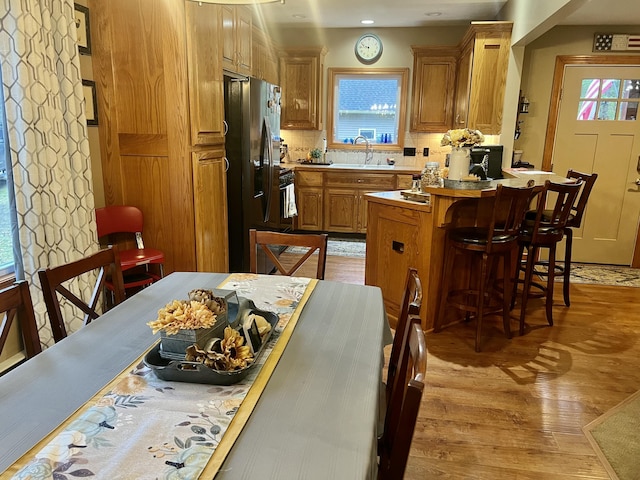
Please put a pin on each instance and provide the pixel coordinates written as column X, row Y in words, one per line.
column 587, row 111
column 612, row 42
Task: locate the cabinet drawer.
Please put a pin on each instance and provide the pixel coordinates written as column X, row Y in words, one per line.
column 369, row 180
column 308, row 179
column 404, row 181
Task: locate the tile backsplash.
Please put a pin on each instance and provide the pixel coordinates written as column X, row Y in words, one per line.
column 300, row 142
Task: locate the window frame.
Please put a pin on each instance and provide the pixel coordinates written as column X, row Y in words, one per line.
column 333, row 74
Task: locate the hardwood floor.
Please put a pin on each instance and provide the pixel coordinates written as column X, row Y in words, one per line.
column 516, row 410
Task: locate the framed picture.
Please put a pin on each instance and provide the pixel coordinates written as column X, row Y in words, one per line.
column 90, row 101
column 82, row 25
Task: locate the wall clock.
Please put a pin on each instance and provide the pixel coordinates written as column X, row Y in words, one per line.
column 368, row 48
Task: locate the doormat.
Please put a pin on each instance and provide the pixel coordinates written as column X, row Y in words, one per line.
column 613, row 275
column 615, row 437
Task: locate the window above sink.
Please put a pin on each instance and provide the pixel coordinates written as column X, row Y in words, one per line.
column 369, row 103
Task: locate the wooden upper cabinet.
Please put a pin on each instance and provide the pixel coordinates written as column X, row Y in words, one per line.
column 434, row 73
column 206, row 106
column 236, row 41
column 264, row 60
column 463, row 87
column 482, row 77
column 301, row 73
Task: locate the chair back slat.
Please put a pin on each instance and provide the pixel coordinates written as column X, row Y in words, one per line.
column 511, row 204
column 264, row 239
column 411, row 305
column 577, row 210
column 15, row 302
column 52, row 279
column 402, row 410
column 553, row 220
column 118, row 219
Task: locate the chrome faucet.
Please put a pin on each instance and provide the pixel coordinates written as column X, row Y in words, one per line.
column 368, row 151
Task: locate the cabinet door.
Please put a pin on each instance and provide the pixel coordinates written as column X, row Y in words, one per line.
column 259, row 53
column 362, row 210
column 432, row 99
column 210, row 202
column 488, row 80
column 243, row 40
column 391, row 250
column 310, row 208
column 205, row 73
column 300, row 79
column 463, row 85
column 341, row 210
column 228, row 37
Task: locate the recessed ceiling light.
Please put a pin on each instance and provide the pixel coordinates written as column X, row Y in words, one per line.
column 367, row 22
column 299, row 16
column 433, row 14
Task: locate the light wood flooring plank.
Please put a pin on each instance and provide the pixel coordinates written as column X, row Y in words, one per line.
column 516, row 410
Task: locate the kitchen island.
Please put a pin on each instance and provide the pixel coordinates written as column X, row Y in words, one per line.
column 404, row 233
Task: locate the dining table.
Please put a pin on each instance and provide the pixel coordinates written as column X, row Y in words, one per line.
column 90, row 405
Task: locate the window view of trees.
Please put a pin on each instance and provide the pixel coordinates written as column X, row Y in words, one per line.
column 6, row 249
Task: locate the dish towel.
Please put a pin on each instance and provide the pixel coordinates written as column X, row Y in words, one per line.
column 290, row 209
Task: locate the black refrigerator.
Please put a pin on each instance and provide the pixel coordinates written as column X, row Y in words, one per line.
column 252, row 144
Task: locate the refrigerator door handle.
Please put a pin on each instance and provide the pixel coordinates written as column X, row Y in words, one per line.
column 266, row 168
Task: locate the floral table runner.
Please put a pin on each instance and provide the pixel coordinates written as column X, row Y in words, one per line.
column 143, row 427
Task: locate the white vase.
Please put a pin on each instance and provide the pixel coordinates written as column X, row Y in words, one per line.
column 459, row 162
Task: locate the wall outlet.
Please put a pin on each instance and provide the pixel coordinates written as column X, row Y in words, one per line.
column 410, row 151
column 425, row 151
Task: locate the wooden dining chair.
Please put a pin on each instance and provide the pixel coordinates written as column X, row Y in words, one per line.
column 122, row 225
column 410, row 305
column 266, row 241
column 52, row 281
column 406, row 395
column 15, row 302
column 546, row 231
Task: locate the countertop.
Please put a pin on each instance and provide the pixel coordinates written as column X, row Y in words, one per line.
column 402, row 169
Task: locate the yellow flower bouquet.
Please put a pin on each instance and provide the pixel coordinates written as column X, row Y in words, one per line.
column 462, row 137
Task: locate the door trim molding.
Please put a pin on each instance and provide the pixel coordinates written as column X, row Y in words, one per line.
column 554, row 107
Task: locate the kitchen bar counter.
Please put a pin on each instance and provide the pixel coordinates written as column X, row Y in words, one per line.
column 403, row 233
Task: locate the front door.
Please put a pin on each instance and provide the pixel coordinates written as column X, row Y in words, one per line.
column 598, row 131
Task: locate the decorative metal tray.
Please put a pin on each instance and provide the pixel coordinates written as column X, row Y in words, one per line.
column 194, row 372
column 467, row 184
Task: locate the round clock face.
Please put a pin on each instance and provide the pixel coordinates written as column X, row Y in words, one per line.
column 368, row 48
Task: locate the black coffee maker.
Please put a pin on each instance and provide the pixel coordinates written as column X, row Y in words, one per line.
column 492, row 164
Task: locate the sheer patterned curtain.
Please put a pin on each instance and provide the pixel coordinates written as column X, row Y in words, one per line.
column 47, row 138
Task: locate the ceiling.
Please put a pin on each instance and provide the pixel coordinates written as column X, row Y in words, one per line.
column 418, row 13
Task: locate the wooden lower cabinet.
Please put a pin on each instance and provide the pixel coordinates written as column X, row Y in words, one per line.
column 395, row 241
column 210, row 200
column 335, row 201
column 341, row 210
column 310, row 205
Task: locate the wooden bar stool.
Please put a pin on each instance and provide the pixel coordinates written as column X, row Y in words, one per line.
column 574, row 221
column 498, row 240
column 545, row 231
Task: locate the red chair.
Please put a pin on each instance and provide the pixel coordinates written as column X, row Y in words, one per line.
column 118, row 222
